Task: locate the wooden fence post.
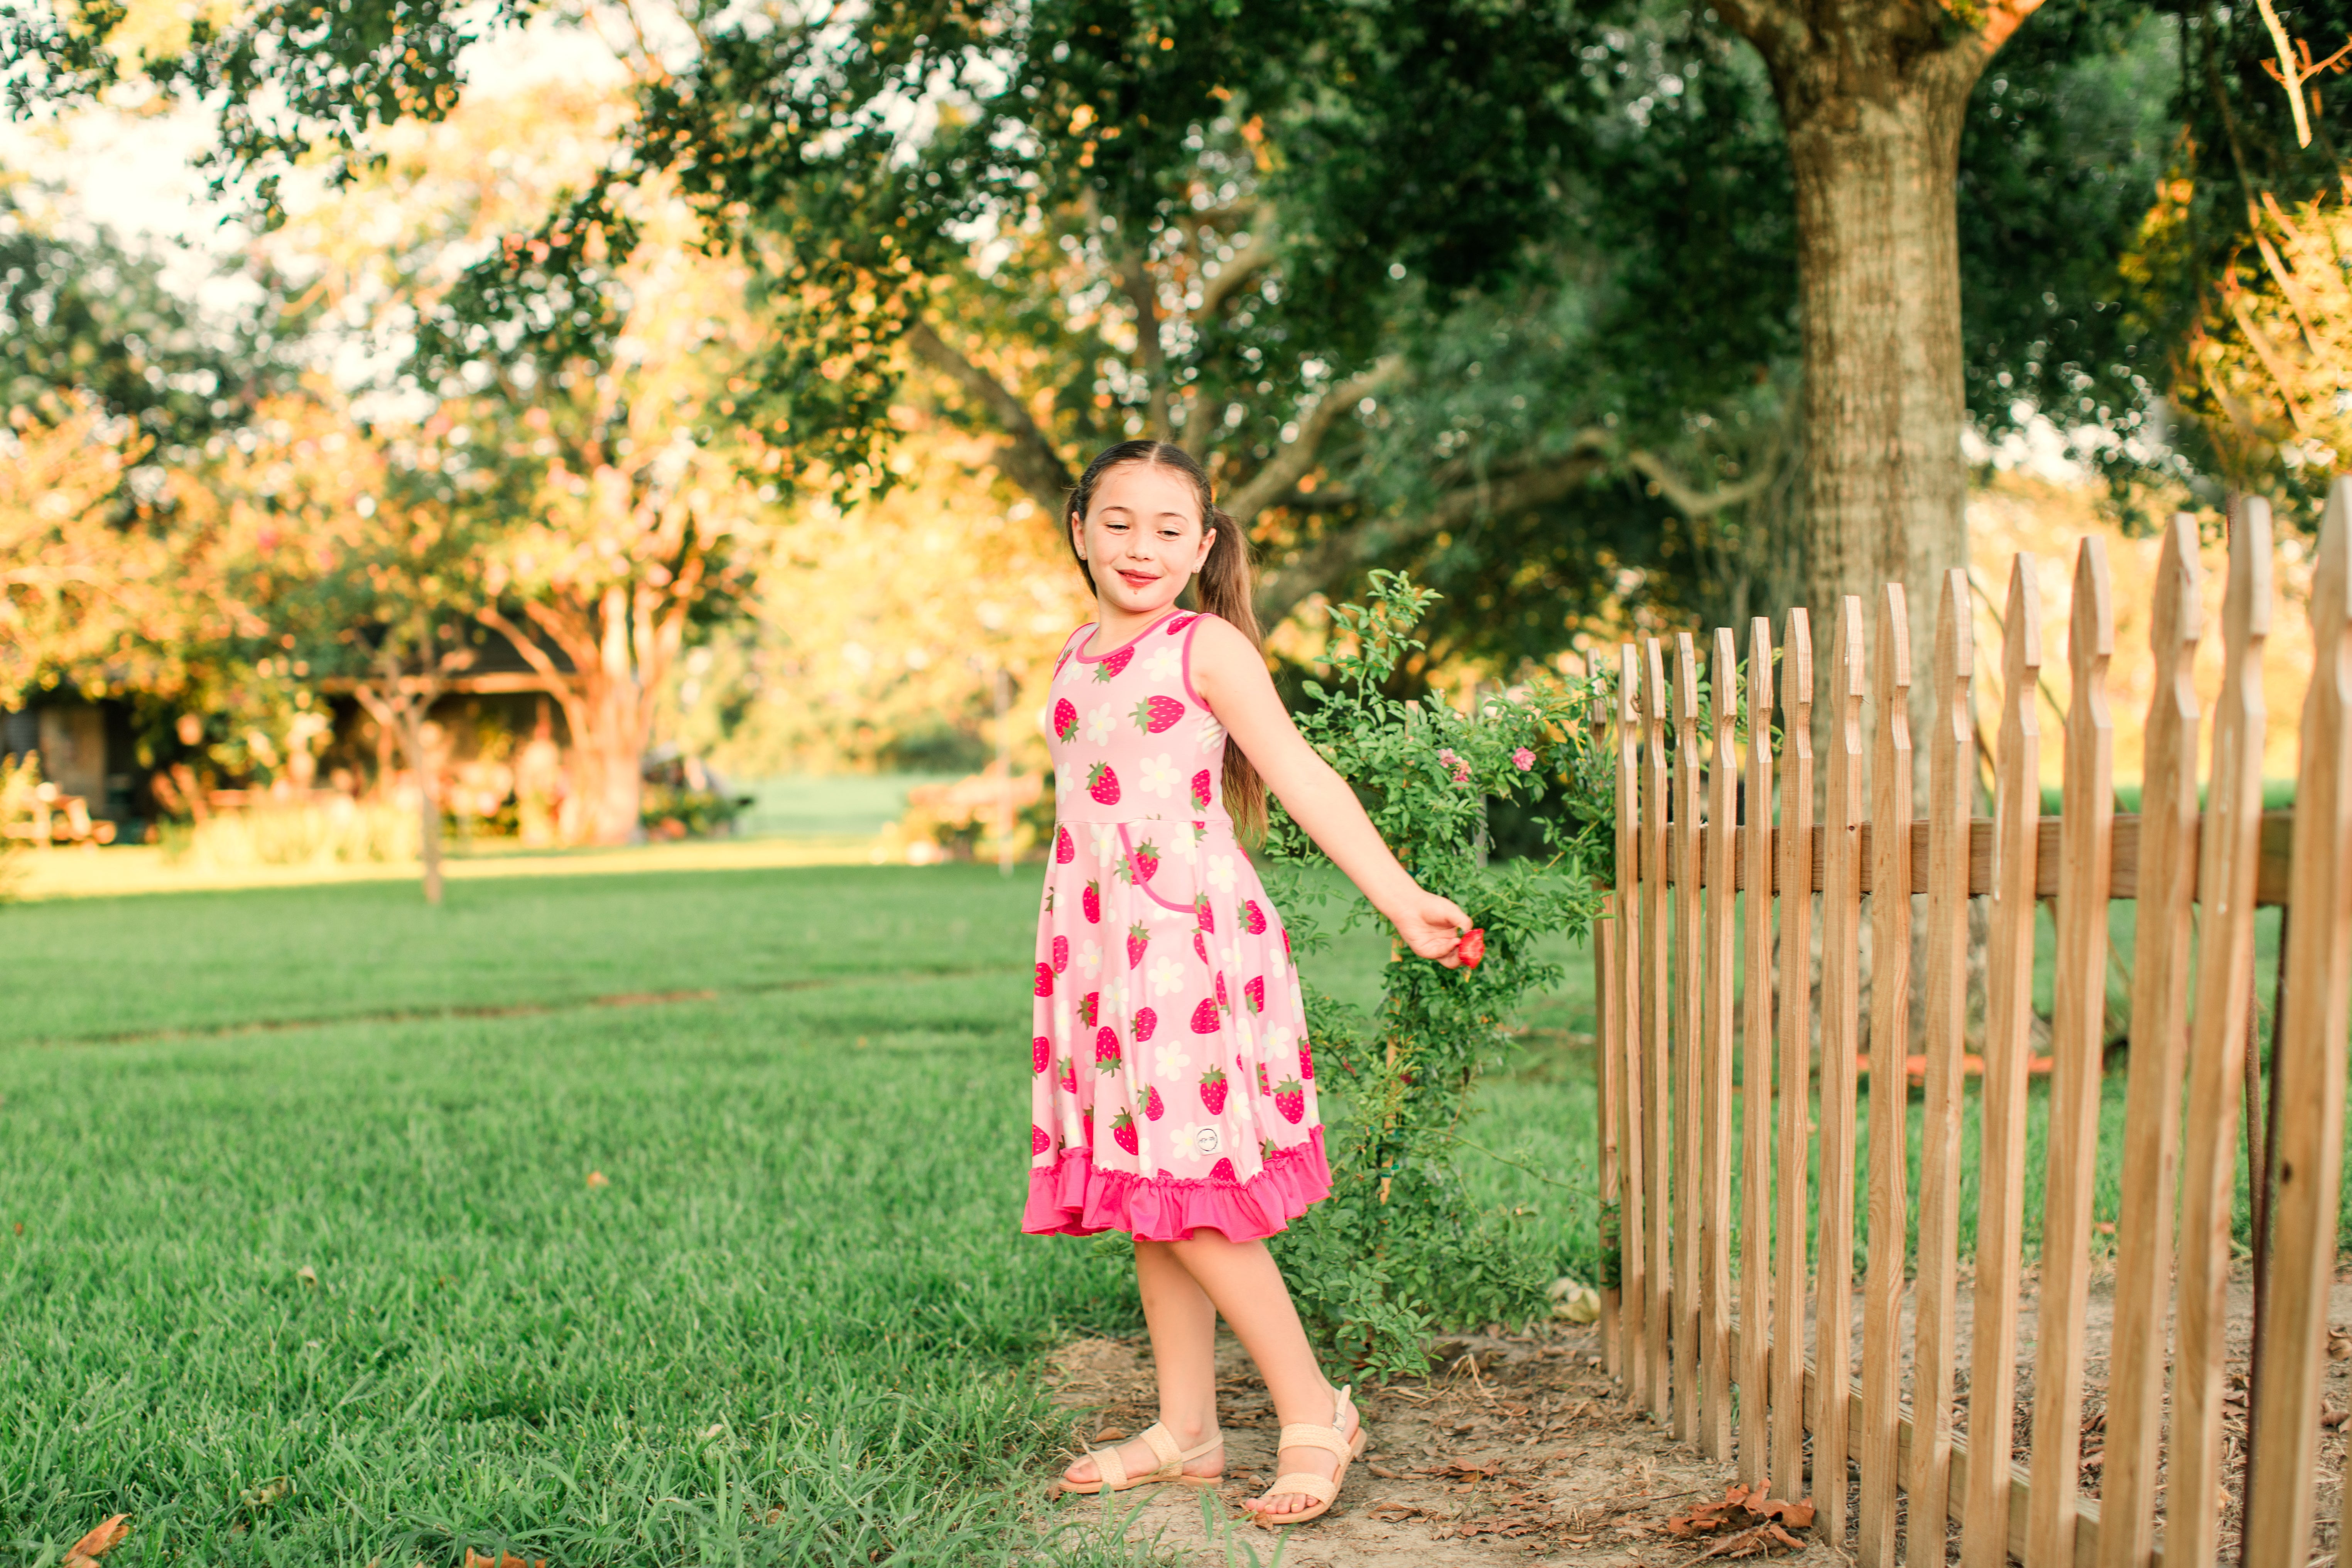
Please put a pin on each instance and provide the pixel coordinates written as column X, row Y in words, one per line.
column 2217, row 1044
column 1841, row 1044
column 1632, row 1164
column 2159, row 1036
column 1723, row 807
column 2077, row 1044
column 1657, row 1015
column 1951, row 776
column 2000, row 1169
column 1756, row 1070
column 1796, row 1056
column 1688, row 1077
column 1890, row 1014
column 2307, row 1068
column 1604, row 1039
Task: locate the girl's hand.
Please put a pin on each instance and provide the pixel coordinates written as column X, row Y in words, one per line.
column 1433, row 927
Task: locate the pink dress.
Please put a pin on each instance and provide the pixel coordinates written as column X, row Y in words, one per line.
column 1172, row 1084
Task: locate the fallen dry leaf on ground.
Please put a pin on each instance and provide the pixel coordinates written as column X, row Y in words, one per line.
column 503, row 1560
column 105, row 1538
column 597, row 1179
column 1760, row 1522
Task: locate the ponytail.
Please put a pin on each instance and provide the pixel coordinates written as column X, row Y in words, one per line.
column 1224, row 589
column 1224, row 586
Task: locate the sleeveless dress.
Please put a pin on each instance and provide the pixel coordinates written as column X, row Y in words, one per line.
column 1172, row 1087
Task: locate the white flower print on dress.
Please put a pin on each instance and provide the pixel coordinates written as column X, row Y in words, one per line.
column 1098, row 722
column 1171, row 1061
column 1230, row 955
column 1089, row 960
column 1185, row 1143
column 1164, row 663
column 1159, row 776
column 1184, row 844
column 1105, row 841
column 1221, row 873
column 1167, row 975
column 1209, row 734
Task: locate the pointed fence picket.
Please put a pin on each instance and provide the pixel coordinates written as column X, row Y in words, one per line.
column 1717, row 1011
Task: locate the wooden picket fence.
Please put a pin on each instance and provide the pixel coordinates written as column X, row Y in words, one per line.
column 1709, row 1325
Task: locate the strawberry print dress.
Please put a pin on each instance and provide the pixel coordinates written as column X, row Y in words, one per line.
column 1172, row 1085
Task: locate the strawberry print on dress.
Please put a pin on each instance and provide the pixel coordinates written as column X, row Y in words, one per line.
column 1200, row 1112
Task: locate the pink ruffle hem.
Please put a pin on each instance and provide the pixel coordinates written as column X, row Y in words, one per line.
column 1070, row 1197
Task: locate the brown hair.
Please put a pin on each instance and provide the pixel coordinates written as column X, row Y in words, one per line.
column 1224, row 586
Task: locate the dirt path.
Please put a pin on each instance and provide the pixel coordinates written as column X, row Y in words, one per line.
column 1518, row 1450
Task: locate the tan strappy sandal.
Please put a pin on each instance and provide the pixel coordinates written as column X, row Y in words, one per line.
column 1323, row 1489
column 1112, row 1470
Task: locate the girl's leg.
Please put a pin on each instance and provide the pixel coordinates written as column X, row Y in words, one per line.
column 1243, row 1281
column 1184, row 1356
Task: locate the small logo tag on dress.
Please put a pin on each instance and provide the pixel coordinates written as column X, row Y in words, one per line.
column 1206, row 1140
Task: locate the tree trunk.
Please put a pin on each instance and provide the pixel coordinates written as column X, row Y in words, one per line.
column 428, row 799
column 1885, row 490
column 1872, row 99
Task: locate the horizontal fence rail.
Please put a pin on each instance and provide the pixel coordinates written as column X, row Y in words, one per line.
column 1742, row 938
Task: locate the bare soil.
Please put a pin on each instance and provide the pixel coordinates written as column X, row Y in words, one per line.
column 1516, row 1449
column 1519, row 1448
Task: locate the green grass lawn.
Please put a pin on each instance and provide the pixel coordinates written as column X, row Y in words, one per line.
column 311, row 1269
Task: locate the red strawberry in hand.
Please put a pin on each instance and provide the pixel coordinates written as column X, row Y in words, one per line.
column 1139, row 941
column 1065, row 719
column 1153, row 1107
column 1204, row 1017
column 1061, row 954
column 1122, row 1131
column 1146, row 1020
column 1038, row 1142
column 1154, row 714
column 1064, row 849
column 1107, row 1056
column 1041, row 1054
column 1252, row 918
column 1113, row 663
column 1255, row 994
column 1472, row 947
column 1201, row 790
column 1222, row 1171
column 1102, row 784
column 1044, row 986
column 1091, row 902
column 1212, row 1090
column 1291, row 1098
column 1202, row 913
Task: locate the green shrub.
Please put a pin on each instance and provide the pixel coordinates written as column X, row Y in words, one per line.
column 1398, row 1249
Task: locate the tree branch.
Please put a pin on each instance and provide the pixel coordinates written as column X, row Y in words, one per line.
column 1339, row 554
column 1688, row 500
column 1152, row 355
column 1023, row 453
column 1777, row 28
column 1231, row 275
column 1291, row 464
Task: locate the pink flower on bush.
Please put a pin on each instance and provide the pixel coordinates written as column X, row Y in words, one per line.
column 1461, row 768
column 1523, row 758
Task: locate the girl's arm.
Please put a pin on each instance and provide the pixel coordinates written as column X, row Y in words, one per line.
column 1230, row 676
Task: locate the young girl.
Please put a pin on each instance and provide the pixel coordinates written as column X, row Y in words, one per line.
column 1174, row 1091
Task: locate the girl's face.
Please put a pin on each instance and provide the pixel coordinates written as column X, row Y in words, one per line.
column 1142, row 539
